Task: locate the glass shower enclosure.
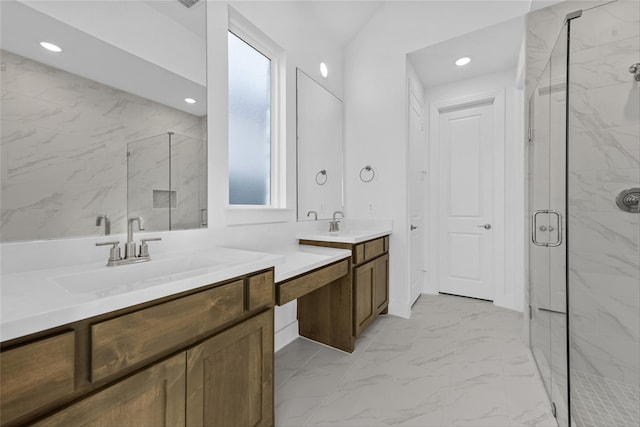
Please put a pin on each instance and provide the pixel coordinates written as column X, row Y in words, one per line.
column 167, row 182
column 584, row 188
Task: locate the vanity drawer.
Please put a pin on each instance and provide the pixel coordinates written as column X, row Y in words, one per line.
column 260, row 291
column 373, row 248
column 124, row 341
column 309, row 282
column 35, row 374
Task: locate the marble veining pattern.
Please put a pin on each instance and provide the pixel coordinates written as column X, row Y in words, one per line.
column 457, row 361
column 64, row 149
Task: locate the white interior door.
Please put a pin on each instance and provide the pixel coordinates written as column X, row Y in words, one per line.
column 417, row 185
column 465, row 146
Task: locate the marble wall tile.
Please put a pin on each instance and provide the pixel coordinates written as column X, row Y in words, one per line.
column 606, row 107
column 605, row 24
column 598, row 149
column 603, row 65
column 604, row 232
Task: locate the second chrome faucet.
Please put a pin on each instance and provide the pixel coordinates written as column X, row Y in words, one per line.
column 334, row 225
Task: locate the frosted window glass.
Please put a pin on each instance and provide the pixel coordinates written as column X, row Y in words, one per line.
column 249, row 125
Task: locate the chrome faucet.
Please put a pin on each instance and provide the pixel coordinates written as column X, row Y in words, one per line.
column 314, row 213
column 130, row 245
column 107, row 223
column 334, row 225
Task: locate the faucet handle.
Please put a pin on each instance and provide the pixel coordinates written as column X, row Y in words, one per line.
column 144, row 248
column 114, row 253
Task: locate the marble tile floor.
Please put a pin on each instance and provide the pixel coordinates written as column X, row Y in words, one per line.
column 457, row 361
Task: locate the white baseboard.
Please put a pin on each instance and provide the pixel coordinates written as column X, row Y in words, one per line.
column 400, row 309
column 286, row 335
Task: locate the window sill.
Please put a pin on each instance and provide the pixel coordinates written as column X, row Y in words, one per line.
column 241, row 215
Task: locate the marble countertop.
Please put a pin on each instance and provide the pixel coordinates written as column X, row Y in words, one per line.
column 42, row 299
column 306, row 258
column 346, row 236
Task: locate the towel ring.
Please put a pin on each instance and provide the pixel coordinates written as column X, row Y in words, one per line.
column 321, row 177
column 367, row 174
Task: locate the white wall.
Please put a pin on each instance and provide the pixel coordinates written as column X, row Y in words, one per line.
column 375, row 109
column 509, row 288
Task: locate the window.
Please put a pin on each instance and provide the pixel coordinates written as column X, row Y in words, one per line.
column 249, row 124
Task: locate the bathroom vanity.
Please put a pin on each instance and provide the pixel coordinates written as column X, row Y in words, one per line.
column 336, row 314
column 201, row 356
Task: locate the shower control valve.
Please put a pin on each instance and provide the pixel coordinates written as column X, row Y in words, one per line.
column 629, row 200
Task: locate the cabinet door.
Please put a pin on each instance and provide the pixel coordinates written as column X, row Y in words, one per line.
column 154, row 397
column 381, row 283
column 363, row 296
column 230, row 376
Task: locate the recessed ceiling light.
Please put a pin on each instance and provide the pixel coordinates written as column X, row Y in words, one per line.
column 50, row 46
column 324, row 70
column 463, row 61
column 190, row 100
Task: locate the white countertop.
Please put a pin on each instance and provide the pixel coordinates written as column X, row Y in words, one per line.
column 38, row 300
column 347, row 236
column 306, row 258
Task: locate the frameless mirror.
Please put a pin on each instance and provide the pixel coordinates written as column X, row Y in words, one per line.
column 319, row 150
column 69, row 118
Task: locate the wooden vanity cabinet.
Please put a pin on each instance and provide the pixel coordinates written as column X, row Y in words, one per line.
column 370, row 292
column 204, row 357
column 367, row 294
column 230, row 377
column 153, row 397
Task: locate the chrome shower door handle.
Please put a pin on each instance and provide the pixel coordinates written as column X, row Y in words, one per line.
column 534, row 227
column 559, row 218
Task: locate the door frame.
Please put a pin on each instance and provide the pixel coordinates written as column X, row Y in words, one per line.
column 414, row 89
column 497, row 99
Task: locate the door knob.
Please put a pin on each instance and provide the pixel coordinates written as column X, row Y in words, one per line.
column 413, row 227
column 486, row 226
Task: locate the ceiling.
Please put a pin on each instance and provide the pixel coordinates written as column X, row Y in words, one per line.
column 341, row 19
column 491, row 49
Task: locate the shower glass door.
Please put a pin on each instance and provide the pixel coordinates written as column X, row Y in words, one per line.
column 547, row 194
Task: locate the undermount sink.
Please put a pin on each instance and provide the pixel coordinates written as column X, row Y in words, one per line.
column 126, row 278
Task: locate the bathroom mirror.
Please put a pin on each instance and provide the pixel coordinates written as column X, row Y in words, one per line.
column 127, row 71
column 319, row 149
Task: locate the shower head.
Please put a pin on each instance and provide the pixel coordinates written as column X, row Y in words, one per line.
column 188, row 3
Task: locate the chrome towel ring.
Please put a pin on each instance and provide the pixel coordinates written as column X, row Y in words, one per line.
column 367, row 174
column 321, row 177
